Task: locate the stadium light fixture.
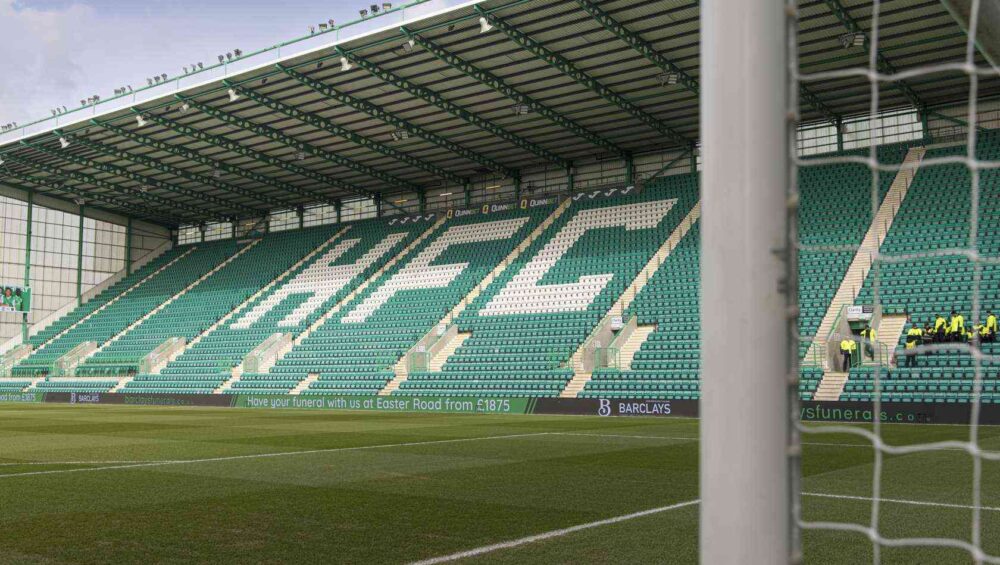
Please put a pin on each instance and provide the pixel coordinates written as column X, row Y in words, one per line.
column 669, row 79
column 5, row 128
column 330, row 21
column 233, row 97
column 130, row 89
column 319, row 65
column 484, row 25
column 64, row 109
column 238, row 52
column 386, row 6
column 408, row 46
column 345, row 65
column 164, row 77
column 374, row 9
column 301, row 156
column 521, row 109
column 53, row 112
column 156, row 80
column 222, row 58
column 229, row 56
column 143, row 188
column 849, row 40
column 200, row 66
column 79, row 201
column 63, row 142
column 185, row 70
column 149, row 81
column 363, row 12
column 323, row 27
column 139, row 120
column 263, row 81
column 185, row 107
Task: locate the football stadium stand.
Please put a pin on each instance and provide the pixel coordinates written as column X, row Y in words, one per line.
column 596, row 297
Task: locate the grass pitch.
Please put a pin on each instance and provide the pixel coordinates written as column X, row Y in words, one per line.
column 103, row 484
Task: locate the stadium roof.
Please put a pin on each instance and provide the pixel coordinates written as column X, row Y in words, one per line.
column 438, row 100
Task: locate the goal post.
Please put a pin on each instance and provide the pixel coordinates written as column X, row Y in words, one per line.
column 747, row 299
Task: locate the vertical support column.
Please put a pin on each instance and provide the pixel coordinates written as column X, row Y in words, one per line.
column 745, row 489
column 629, row 170
column 422, row 199
column 300, row 211
column 378, row 204
column 79, row 261
column 570, row 184
column 840, row 134
column 128, row 246
column 693, row 160
column 467, row 191
column 517, row 188
column 928, row 138
column 27, row 264
column 201, row 230
column 232, row 228
column 338, row 205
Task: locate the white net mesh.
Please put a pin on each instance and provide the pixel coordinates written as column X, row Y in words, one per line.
column 880, row 76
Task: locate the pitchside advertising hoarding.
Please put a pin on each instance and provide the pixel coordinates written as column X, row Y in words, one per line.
column 15, row 298
column 843, row 412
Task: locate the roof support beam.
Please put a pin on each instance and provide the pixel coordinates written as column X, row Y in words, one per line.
column 397, row 122
column 218, row 142
column 328, row 126
column 275, row 135
column 987, row 28
column 156, row 164
column 436, row 99
column 647, row 50
column 497, row 84
column 639, row 44
column 262, row 157
column 125, row 174
column 884, row 66
column 113, row 206
column 569, row 69
column 156, row 201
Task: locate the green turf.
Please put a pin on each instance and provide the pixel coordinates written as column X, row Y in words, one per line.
column 399, row 503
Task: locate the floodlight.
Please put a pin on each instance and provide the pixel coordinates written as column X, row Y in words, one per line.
column 222, row 59
column 319, row 65
column 386, row 6
column 64, row 109
column 330, row 21
column 185, row 70
column 669, row 79
column 301, row 156
column 312, row 30
column 63, row 143
column 345, row 65
column 130, row 88
column 323, row 27
column 238, row 52
column 185, row 107
column 408, row 46
column 401, row 134
column 263, row 81
column 200, row 66
column 164, row 77
column 139, row 120
column 156, row 80
column 363, row 12
column 53, row 112
column 484, row 25
column 521, row 109
column 143, row 188
column 849, row 40
column 83, row 103
column 374, row 9
column 149, row 81
column 229, row 56
column 233, row 97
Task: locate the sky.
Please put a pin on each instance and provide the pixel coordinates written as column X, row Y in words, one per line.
column 54, row 53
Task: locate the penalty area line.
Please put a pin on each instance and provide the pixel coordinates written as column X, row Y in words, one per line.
column 263, row 455
column 552, row 534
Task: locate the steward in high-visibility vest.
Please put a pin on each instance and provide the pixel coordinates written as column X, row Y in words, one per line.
column 991, row 326
column 914, row 337
column 956, row 327
column 847, row 348
column 940, row 326
column 869, row 336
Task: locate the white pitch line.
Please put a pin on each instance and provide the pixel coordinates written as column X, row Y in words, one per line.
column 263, row 455
column 551, row 534
column 608, row 521
column 901, row 501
